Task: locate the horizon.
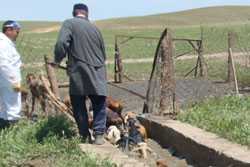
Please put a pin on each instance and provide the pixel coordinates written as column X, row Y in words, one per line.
column 141, row 15
column 57, row 11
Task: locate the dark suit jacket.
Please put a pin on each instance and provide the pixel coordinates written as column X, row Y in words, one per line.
column 83, row 43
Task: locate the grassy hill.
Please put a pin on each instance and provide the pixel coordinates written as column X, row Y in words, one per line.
column 208, row 15
column 204, row 16
column 33, row 25
column 38, row 38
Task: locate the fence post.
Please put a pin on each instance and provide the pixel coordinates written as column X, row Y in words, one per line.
column 52, row 77
column 234, row 72
column 203, row 64
column 230, row 74
column 117, row 64
column 167, row 83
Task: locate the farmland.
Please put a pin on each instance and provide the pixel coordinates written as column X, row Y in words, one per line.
column 38, row 39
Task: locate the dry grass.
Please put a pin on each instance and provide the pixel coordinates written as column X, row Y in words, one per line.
column 204, row 16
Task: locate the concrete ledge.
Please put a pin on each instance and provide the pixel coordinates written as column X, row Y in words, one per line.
column 198, row 146
column 108, row 151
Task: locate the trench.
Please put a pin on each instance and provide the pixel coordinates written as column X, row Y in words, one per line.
column 188, row 91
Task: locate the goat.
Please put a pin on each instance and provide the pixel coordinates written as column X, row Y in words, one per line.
column 161, row 163
column 113, row 134
column 37, row 93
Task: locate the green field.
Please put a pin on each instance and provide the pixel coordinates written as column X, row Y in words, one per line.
column 49, row 142
column 186, row 24
column 228, row 117
column 38, row 38
column 43, row 141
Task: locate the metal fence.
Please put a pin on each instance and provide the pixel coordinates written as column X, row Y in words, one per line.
column 134, row 56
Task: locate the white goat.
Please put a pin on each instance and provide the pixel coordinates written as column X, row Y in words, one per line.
column 113, row 134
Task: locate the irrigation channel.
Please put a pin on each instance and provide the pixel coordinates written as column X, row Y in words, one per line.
column 188, row 91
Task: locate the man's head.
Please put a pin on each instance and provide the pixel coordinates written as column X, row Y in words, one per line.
column 11, row 29
column 80, row 9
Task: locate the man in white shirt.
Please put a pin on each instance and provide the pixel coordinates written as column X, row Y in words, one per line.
column 10, row 75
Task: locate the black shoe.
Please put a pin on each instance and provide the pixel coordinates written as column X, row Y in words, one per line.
column 34, row 118
column 86, row 139
column 12, row 122
column 4, row 124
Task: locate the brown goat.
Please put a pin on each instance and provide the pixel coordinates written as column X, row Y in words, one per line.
column 37, row 93
column 161, row 163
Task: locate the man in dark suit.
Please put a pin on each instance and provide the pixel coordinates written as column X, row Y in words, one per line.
column 83, row 44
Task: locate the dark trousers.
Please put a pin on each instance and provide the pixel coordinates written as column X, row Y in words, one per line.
column 81, row 116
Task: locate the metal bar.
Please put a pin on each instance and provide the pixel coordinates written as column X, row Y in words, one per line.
column 190, row 71
column 144, row 37
column 157, row 38
column 127, row 90
column 127, row 77
column 194, row 47
column 183, row 54
column 59, row 66
column 185, row 39
column 123, row 42
column 63, row 85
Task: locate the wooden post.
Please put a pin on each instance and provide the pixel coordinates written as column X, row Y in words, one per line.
column 115, row 64
column 197, row 66
column 168, row 85
column 118, row 64
column 201, row 60
column 52, row 77
column 234, row 72
column 230, row 75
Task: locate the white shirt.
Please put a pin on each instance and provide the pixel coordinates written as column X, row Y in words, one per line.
column 10, row 62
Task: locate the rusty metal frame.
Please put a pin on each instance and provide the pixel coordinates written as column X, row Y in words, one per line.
column 118, row 67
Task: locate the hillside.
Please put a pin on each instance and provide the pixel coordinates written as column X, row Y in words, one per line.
column 34, row 25
column 208, row 15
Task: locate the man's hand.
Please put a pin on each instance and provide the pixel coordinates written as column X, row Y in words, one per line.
column 53, row 64
column 57, row 65
column 16, row 87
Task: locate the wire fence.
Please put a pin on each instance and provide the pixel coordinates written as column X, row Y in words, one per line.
column 134, row 56
column 217, row 42
column 137, row 52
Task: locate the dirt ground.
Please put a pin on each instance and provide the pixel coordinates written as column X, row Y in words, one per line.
column 160, row 153
column 188, row 91
column 132, row 95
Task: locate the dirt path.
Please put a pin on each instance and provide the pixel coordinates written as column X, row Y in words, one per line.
column 44, row 30
column 239, row 58
column 223, row 56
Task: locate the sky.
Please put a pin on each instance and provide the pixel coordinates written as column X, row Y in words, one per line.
column 58, row 10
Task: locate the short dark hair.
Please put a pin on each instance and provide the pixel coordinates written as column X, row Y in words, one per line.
column 79, row 11
column 80, row 8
